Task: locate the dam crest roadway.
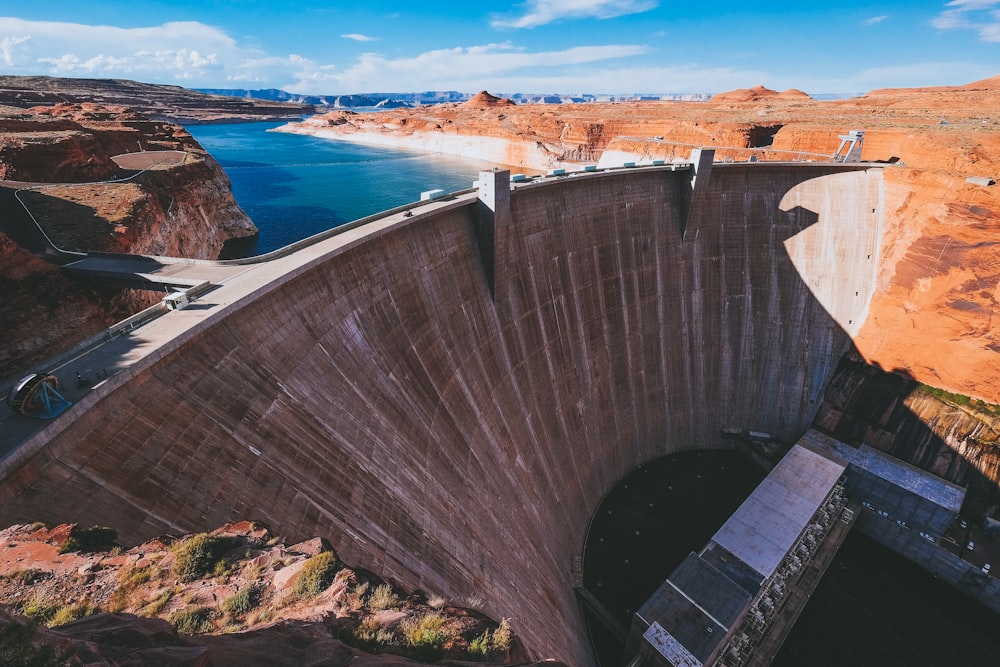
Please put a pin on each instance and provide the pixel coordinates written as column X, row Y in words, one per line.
column 448, row 395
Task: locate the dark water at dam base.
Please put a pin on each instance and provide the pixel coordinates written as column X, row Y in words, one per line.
column 873, row 607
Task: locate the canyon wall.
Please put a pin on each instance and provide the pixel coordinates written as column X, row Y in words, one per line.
column 455, row 438
column 58, row 161
column 947, row 435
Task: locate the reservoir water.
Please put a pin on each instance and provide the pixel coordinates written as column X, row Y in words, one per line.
column 293, row 186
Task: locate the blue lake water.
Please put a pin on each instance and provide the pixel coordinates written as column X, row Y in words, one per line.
column 294, row 186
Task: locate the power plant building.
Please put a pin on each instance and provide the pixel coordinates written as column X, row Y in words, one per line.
column 716, row 607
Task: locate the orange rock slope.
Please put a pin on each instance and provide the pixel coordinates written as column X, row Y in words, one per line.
column 236, row 596
column 932, row 315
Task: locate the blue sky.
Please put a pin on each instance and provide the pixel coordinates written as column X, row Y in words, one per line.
column 531, row 46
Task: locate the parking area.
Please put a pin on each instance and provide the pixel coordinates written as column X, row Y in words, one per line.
column 969, row 542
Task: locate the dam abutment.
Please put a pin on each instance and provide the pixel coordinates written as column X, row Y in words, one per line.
column 455, row 435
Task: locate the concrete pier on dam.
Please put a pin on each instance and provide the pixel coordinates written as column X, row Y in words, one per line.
column 448, row 396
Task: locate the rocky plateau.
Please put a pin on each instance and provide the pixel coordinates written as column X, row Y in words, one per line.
column 159, row 102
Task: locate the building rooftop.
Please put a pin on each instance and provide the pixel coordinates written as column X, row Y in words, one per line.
column 698, row 604
column 766, row 525
column 913, row 479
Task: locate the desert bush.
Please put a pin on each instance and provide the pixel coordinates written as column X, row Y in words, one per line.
column 133, row 577
column 200, row 556
column 39, row 610
column 316, row 575
column 90, row 540
column 383, row 598
column 129, row 579
column 502, row 636
column 426, row 635
column 244, row 600
column 74, row 612
column 156, row 605
column 192, row 621
column 367, row 630
column 481, row 647
column 260, row 615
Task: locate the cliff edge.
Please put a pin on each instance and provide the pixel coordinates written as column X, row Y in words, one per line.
column 58, row 175
column 238, row 595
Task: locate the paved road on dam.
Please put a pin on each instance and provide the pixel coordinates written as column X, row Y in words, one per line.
column 116, row 350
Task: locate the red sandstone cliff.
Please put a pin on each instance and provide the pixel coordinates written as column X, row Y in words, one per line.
column 182, row 207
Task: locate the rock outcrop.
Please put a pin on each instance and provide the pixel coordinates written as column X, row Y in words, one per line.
column 57, row 170
column 254, row 601
column 758, row 93
column 949, row 435
column 152, row 100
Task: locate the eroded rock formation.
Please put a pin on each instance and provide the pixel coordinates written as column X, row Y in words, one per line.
column 254, row 600
column 56, row 169
column 152, row 100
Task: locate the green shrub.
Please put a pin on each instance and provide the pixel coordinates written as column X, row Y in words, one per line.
column 192, row 621
column 74, row 612
column 383, row 598
column 426, row 635
column 502, row 636
column 480, row 646
column 90, row 540
column 316, row 575
column 39, row 610
column 959, row 399
column 200, row 556
column 244, row 600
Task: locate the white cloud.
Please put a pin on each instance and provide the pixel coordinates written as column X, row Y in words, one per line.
column 178, row 50
column 542, row 12
column 873, row 20
column 460, row 68
column 981, row 16
column 358, row 37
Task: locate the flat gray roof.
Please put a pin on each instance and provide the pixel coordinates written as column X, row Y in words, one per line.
column 920, row 482
column 766, row 525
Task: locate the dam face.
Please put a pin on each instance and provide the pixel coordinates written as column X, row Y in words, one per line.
column 458, row 439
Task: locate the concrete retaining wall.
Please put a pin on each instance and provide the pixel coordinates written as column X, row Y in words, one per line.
column 458, row 441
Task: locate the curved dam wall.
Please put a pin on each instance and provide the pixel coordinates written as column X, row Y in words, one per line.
column 458, row 439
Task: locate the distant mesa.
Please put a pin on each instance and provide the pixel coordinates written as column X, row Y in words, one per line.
column 759, row 93
column 484, row 100
column 991, row 83
column 794, row 94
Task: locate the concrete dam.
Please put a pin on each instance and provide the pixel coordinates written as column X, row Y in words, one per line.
column 447, row 395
